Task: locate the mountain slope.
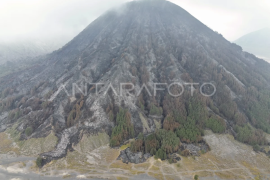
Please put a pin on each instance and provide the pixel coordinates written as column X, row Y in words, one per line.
column 257, row 42
column 144, row 42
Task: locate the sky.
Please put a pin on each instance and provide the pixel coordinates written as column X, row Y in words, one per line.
column 26, row 19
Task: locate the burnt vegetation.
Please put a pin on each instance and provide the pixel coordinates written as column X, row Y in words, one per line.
column 161, row 45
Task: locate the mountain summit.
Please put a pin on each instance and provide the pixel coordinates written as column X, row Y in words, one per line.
column 149, row 45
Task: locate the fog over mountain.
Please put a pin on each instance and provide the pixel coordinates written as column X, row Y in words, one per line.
column 47, row 25
column 193, row 104
column 257, row 42
column 27, row 49
column 49, row 19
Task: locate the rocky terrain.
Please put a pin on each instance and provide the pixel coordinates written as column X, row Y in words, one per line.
column 127, row 156
column 195, row 150
column 143, row 43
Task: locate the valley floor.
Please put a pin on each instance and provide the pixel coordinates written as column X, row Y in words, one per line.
column 228, row 159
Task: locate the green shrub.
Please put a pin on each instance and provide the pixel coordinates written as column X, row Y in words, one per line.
column 203, row 151
column 28, row 131
column 247, row 134
column 160, row 154
column 256, row 147
column 124, row 128
column 141, row 106
column 189, row 132
column 39, row 162
column 18, row 114
column 154, row 110
column 216, row 125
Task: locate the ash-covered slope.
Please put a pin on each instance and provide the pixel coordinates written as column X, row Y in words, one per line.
column 144, row 42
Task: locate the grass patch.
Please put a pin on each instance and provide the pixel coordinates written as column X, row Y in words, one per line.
column 14, row 134
column 170, row 177
column 145, row 123
column 168, row 170
column 122, row 178
column 158, row 124
column 121, row 165
column 7, row 145
column 89, row 143
column 143, row 166
column 154, row 168
column 228, row 175
column 123, row 147
column 254, row 170
column 158, row 176
column 34, row 146
column 30, row 147
column 157, row 163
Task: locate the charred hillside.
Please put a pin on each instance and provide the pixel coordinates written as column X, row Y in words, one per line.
column 143, row 42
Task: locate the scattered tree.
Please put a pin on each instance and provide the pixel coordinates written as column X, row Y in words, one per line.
column 28, row 131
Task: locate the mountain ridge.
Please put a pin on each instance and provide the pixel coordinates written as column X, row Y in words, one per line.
column 256, row 42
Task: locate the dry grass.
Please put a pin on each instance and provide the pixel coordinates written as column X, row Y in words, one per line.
column 157, row 123
column 168, row 170
column 158, row 176
column 121, row 178
column 7, row 145
column 90, row 143
column 145, row 123
column 154, row 168
column 228, row 159
column 125, row 146
column 33, row 147
column 170, row 177
column 142, row 167
column 121, row 165
column 226, row 175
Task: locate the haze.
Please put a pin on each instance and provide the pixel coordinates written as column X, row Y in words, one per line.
column 30, row 19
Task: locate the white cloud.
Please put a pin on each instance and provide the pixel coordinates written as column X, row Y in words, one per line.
column 49, row 18
column 231, row 18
